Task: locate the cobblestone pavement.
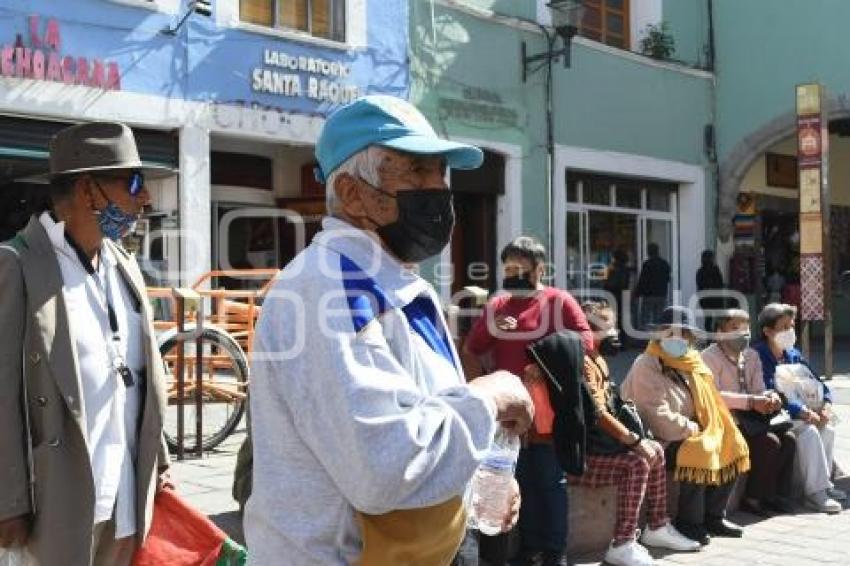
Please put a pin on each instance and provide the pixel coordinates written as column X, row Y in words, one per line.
column 791, row 540
column 802, row 539
column 207, row 482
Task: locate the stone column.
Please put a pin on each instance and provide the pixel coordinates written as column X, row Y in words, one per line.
column 194, row 204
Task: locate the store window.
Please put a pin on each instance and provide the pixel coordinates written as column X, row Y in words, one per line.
column 609, row 216
column 606, row 21
column 319, row 18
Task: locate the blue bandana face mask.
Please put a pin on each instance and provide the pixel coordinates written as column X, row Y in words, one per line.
column 114, row 223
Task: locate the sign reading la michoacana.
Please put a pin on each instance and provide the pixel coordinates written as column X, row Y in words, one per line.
column 43, row 60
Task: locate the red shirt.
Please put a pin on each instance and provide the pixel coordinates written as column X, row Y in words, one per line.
column 550, row 310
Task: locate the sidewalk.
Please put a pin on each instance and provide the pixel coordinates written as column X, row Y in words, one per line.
column 797, row 540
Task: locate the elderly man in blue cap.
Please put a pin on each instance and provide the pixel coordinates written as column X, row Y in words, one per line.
column 365, row 432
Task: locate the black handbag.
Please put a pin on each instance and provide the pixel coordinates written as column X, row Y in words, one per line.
column 601, row 443
column 752, row 423
column 780, row 422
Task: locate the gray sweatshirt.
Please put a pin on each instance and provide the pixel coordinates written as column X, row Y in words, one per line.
column 358, row 402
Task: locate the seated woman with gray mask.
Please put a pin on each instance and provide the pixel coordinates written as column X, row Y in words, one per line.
column 737, row 372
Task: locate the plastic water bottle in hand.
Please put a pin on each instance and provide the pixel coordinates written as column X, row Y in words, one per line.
column 15, row 556
column 490, row 495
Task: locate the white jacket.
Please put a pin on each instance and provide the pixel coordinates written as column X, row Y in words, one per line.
column 358, row 402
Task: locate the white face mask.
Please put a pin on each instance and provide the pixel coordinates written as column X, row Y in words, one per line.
column 785, row 339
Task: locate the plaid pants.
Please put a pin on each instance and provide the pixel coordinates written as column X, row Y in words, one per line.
column 634, row 478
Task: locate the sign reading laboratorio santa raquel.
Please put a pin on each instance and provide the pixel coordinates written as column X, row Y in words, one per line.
column 43, row 59
column 301, row 76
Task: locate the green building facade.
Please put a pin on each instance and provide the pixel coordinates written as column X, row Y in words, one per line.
column 642, row 150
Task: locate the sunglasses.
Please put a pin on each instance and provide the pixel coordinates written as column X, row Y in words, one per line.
column 135, row 183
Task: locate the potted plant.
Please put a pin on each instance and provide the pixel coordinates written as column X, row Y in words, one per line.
column 657, row 42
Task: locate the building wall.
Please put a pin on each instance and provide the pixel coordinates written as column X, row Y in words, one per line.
column 608, row 100
column 688, row 24
column 198, row 83
column 518, row 8
column 225, row 54
column 213, row 58
column 762, row 53
column 466, row 76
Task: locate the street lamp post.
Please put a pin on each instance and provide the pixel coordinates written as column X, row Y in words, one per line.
column 566, row 17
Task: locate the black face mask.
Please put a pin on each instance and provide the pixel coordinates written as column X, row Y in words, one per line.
column 517, row 283
column 424, row 224
column 610, row 346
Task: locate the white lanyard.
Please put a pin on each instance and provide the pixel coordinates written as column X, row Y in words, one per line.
column 113, row 341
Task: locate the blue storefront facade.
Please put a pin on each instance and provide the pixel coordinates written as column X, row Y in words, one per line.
column 234, row 100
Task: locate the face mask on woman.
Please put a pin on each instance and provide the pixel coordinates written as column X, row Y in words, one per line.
column 785, row 339
column 675, row 347
column 738, row 343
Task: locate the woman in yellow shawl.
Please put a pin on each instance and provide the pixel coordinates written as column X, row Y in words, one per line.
column 677, row 399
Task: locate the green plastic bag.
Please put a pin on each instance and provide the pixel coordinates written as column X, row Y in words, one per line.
column 232, row 554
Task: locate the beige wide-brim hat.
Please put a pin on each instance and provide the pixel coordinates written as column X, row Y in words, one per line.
column 98, row 146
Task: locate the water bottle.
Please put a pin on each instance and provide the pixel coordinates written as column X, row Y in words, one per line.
column 832, row 416
column 489, row 496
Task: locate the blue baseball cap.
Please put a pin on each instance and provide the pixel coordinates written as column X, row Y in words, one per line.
column 390, row 122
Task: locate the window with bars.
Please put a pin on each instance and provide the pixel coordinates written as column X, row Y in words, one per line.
column 606, row 21
column 319, row 18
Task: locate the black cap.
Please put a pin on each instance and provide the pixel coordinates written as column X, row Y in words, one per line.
column 677, row 316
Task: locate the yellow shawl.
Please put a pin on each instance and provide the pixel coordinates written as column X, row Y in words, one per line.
column 719, row 452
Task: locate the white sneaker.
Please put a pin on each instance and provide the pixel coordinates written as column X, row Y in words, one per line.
column 628, row 554
column 836, row 494
column 668, row 537
column 821, row 501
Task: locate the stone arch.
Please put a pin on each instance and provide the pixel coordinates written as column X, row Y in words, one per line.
column 745, row 152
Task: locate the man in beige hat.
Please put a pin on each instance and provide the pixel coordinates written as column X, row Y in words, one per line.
column 81, row 384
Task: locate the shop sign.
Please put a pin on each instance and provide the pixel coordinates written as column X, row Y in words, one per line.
column 249, row 116
column 812, row 153
column 42, row 60
column 810, row 190
column 809, row 142
column 478, row 105
column 300, row 76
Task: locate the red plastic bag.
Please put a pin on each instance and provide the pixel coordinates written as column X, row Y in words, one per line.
column 180, row 535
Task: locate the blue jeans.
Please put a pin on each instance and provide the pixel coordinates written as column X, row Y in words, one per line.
column 467, row 554
column 543, row 513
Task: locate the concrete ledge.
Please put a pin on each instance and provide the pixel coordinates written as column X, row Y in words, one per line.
column 593, row 512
